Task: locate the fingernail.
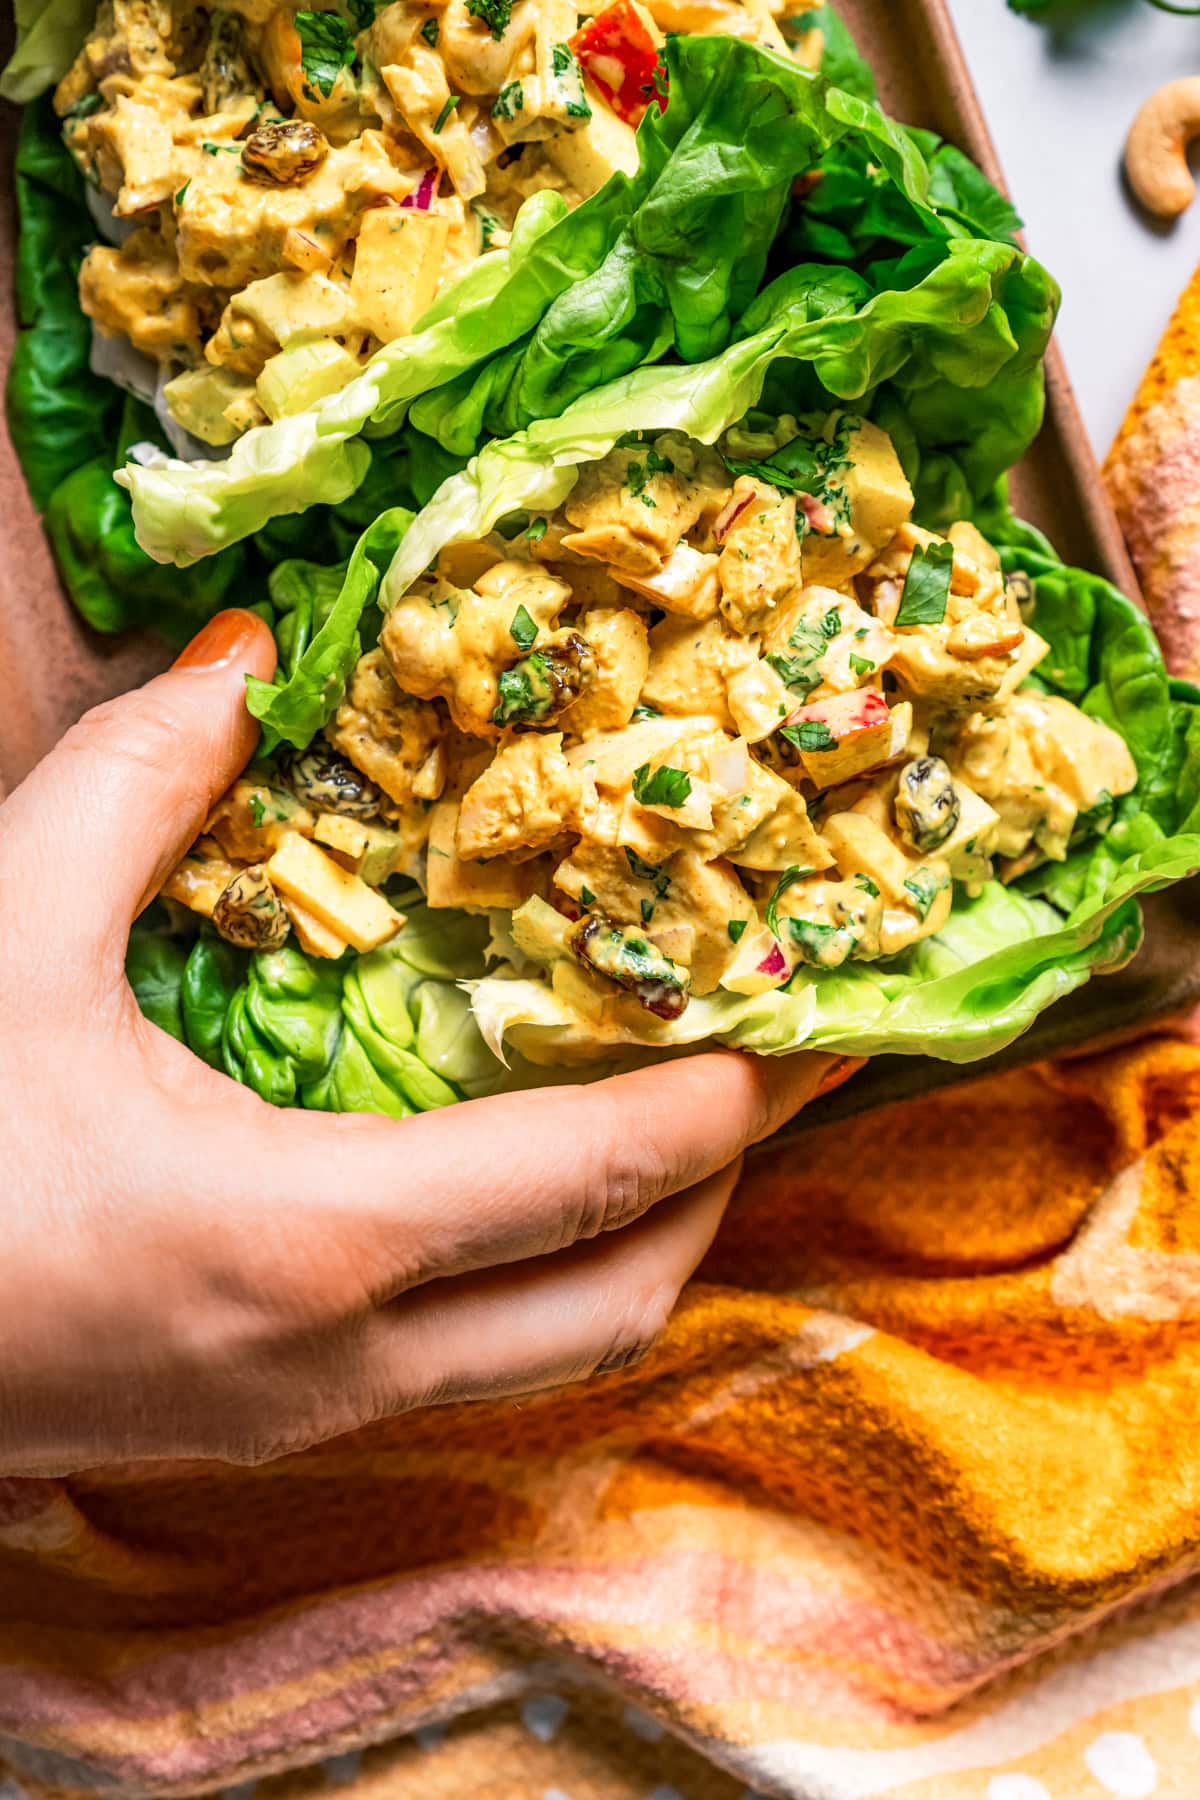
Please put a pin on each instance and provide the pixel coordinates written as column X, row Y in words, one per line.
column 220, row 640
column 840, row 1071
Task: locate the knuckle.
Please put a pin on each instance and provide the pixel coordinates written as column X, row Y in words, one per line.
column 142, row 736
column 642, row 1322
column 623, row 1170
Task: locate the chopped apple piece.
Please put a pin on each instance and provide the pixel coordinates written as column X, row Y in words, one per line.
column 1033, row 649
column 338, row 900
column 473, row 887
column 371, row 850
column 847, row 734
column 311, row 935
column 686, row 584
column 397, row 268
column 539, row 931
column 761, row 963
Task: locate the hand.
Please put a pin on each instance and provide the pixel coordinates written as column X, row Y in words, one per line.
column 188, row 1271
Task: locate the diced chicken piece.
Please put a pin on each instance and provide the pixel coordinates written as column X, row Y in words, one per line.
column 686, row 584
column 525, row 799
column 821, row 642
column 338, row 900
column 476, row 62
column 962, row 660
column 1033, row 650
column 456, row 643
column 436, row 117
column 603, row 145
column 137, row 292
column 621, row 649
column 391, row 737
column 693, row 666
column 758, row 700
column 200, row 878
column 760, row 561
column 784, row 837
column 631, row 508
column 474, row 887
column 682, row 895
column 612, row 757
column 397, row 269
column 917, row 892
column 848, row 734
column 252, row 818
column 230, row 232
column 867, row 502
column 135, row 154
column 1038, row 762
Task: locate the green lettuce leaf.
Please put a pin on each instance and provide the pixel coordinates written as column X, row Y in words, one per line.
column 50, row 34
column 666, row 260
column 68, row 426
column 319, row 612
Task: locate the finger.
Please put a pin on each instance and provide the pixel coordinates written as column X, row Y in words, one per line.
column 517, row 1176
column 590, row 1309
column 103, row 819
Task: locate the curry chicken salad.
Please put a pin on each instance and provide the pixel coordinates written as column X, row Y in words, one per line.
column 292, row 187
column 726, row 717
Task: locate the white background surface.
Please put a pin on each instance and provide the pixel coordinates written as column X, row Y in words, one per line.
column 1059, row 98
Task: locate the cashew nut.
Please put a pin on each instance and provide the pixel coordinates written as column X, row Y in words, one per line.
column 1156, row 148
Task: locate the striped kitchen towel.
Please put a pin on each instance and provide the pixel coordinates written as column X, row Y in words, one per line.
column 906, row 1502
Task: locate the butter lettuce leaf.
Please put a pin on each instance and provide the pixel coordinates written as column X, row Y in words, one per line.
column 667, row 260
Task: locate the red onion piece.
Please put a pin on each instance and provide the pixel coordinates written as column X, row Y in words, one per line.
column 774, row 962
column 422, row 195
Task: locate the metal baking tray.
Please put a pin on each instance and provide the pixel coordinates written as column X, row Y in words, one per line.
column 56, row 667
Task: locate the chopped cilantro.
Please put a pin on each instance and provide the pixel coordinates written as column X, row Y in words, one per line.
column 488, row 227
column 509, row 101
column 735, row 928
column 797, row 673
column 525, row 693
column 182, row 194
column 927, row 585
column 523, row 629
column 924, row 885
column 256, row 810
column 867, row 885
column 429, row 31
column 643, row 710
column 825, row 946
column 635, row 478
column 862, row 665
column 831, row 624
column 666, row 787
column 216, row 149
column 566, row 73
column 810, row 734
column 363, row 12
column 83, row 109
column 646, row 908
column 451, row 102
column 586, row 896
column 788, row 879
column 326, row 48
column 658, row 465
column 495, row 14
column 654, row 873
column 536, row 531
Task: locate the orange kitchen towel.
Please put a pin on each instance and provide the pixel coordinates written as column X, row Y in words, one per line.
column 905, row 1502
column 1153, row 476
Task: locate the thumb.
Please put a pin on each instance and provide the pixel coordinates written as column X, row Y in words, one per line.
column 103, row 819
